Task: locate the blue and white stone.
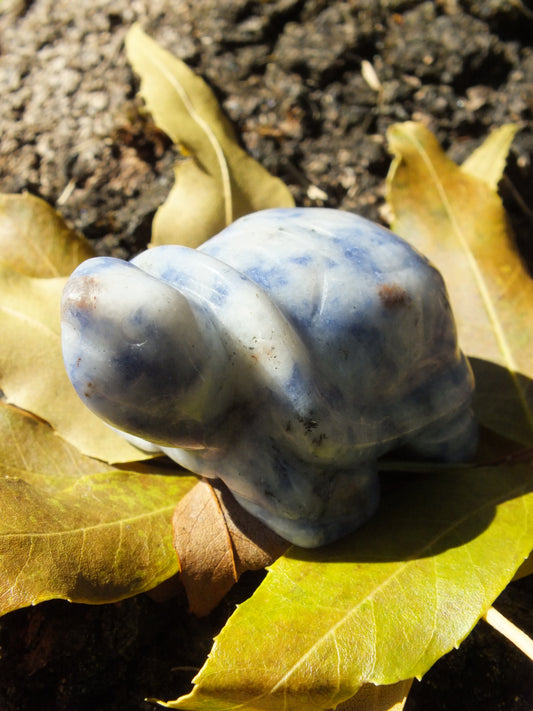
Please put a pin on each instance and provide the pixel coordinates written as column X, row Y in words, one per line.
column 284, row 356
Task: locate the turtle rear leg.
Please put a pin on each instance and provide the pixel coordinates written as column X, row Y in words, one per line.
column 450, row 439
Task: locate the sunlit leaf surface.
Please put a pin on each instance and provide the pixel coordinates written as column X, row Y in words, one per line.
column 32, row 374
column 74, row 528
column 456, row 218
column 378, row 607
column 35, row 240
column 220, row 181
column 488, row 161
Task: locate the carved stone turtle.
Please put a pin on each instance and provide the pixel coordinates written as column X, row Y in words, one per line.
column 284, row 356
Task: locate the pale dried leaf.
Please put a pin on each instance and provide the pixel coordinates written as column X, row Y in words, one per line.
column 458, row 221
column 221, row 181
column 488, row 161
column 35, row 240
column 32, row 373
column 378, row 698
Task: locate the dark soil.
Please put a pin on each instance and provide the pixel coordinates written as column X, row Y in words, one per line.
column 289, row 75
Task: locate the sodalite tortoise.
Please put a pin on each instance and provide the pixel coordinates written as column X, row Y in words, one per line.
column 284, row 356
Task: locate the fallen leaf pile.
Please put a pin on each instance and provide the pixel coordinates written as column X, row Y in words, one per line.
column 345, row 626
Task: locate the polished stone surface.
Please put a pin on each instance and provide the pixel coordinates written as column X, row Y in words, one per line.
column 284, row 356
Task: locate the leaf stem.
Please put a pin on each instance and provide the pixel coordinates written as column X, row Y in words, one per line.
column 511, row 632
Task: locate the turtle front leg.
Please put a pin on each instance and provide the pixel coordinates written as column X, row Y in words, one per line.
column 316, row 507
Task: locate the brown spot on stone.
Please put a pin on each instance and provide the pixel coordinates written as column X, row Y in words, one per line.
column 393, row 296
column 81, row 293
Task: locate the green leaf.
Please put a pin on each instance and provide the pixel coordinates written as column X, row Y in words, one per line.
column 35, row 240
column 32, row 374
column 457, row 220
column 220, row 181
column 380, row 606
column 525, row 569
column 74, row 528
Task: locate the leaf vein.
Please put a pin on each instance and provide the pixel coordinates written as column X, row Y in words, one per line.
column 84, row 529
column 211, row 137
column 388, row 581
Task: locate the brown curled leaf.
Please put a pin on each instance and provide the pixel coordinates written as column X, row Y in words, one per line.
column 216, row 541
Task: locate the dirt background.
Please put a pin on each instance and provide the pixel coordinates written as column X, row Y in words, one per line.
column 289, row 75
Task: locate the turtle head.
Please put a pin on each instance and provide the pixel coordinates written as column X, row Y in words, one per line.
column 133, row 350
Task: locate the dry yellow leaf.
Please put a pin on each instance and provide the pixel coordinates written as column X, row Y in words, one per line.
column 35, row 240
column 457, row 219
column 378, row 698
column 379, row 606
column 75, row 528
column 220, row 181
column 525, row 569
column 488, row 161
column 32, row 374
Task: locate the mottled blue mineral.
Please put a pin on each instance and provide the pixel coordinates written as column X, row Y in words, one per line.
column 284, row 356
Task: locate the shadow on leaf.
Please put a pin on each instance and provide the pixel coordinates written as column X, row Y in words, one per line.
column 422, row 516
column 503, row 401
